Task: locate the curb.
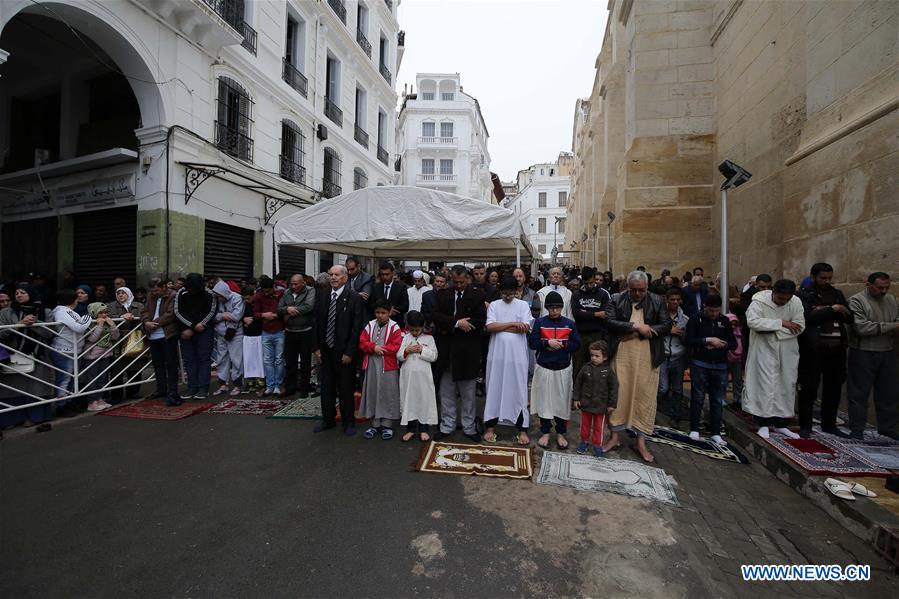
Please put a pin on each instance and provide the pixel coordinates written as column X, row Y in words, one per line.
column 865, row 519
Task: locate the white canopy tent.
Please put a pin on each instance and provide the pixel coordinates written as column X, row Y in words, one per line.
column 407, row 222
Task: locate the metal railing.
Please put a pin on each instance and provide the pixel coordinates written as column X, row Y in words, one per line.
column 292, row 171
column 294, row 77
column 249, row 37
column 339, row 9
column 382, row 154
column 385, row 72
column 432, row 177
column 427, row 140
column 363, row 42
column 400, row 38
column 333, row 112
column 86, row 380
column 361, row 136
column 233, row 142
column 331, row 190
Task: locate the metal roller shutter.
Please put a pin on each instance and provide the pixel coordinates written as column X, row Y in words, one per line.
column 325, row 261
column 291, row 260
column 30, row 246
column 106, row 246
column 228, row 251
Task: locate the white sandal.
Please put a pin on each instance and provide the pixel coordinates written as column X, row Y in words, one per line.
column 862, row 490
column 839, row 489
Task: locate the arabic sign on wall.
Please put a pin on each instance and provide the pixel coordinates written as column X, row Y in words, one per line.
column 99, row 190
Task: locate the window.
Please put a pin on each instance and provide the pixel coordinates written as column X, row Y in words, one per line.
column 427, row 166
column 541, row 248
column 235, row 112
column 447, row 96
column 427, row 95
column 446, row 129
column 541, row 199
column 294, row 55
column 563, row 199
column 561, row 226
column 384, row 60
column 382, row 136
column 331, row 174
column 541, row 225
column 332, row 90
column 541, row 171
column 428, row 129
column 292, row 154
column 360, row 134
column 360, row 179
column 446, row 166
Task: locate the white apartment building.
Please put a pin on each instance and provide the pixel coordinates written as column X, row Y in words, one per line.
column 442, row 138
column 147, row 137
column 541, row 203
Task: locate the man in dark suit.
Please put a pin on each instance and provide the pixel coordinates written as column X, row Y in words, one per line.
column 459, row 317
column 338, row 323
column 362, row 283
column 393, row 292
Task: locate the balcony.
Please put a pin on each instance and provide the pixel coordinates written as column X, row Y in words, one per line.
column 213, row 24
column 294, row 77
column 385, row 73
column 438, row 141
column 437, row 179
column 249, row 37
column 339, row 9
column 363, row 43
column 331, row 190
column 333, row 112
column 231, row 141
column 382, row 155
column 292, row 171
column 401, row 38
column 361, row 136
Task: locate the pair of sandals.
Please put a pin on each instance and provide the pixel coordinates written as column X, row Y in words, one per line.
column 561, row 443
column 371, row 432
column 847, row 491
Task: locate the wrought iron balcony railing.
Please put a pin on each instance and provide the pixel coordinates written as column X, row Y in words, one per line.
column 361, row 136
column 363, row 42
column 294, row 77
column 385, row 72
column 233, row 142
column 331, row 190
column 339, row 9
column 292, row 171
column 382, row 155
column 333, row 112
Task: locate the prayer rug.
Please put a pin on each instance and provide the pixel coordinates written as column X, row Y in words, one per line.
column 155, row 409
column 357, row 401
column 825, row 457
column 309, row 408
column 480, row 460
column 706, row 447
column 622, row 477
column 253, row 407
column 880, row 450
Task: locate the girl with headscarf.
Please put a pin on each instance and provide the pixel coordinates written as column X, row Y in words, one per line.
column 83, row 293
column 26, row 310
column 129, row 310
column 97, row 356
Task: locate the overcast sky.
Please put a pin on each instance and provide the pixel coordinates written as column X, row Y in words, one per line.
column 525, row 61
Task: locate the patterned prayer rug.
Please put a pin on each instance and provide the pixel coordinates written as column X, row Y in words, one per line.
column 357, row 401
column 882, row 451
column 155, row 409
column 480, row 460
column 622, row 477
column 309, row 408
column 706, row 447
column 254, row 407
column 824, row 456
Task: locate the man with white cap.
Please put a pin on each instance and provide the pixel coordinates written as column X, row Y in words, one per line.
column 418, row 290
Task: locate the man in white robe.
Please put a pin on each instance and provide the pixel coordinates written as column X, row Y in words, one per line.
column 775, row 320
column 508, row 321
column 417, row 291
column 556, row 284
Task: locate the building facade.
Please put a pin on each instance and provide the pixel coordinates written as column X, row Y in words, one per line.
column 801, row 94
column 541, row 203
column 442, row 138
column 148, row 138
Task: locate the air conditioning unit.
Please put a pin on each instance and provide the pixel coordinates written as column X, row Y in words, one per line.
column 322, row 132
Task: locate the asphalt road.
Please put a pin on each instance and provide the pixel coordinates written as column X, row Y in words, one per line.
column 244, row 506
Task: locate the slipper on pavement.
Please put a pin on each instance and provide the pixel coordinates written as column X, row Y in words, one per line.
column 839, row 489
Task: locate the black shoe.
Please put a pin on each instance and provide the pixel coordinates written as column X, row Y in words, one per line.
column 474, row 437
column 323, row 427
column 891, row 434
column 440, row 435
column 835, row 432
column 805, row 433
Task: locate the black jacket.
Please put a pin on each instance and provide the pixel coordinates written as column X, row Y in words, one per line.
column 348, row 324
column 815, row 319
column 195, row 304
column 655, row 315
column 462, row 350
column 399, row 299
column 596, row 388
column 584, row 305
column 701, row 326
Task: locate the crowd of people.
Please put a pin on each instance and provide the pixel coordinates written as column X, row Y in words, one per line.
column 422, row 346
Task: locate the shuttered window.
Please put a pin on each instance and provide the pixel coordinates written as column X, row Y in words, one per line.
column 228, row 251
column 106, row 246
column 291, row 260
column 235, row 117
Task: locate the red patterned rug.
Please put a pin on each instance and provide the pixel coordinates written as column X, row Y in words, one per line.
column 825, row 457
column 253, row 407
column 155, row 409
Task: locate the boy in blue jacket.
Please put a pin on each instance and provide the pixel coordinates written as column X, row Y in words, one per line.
column 555, row 339
column 710, row 336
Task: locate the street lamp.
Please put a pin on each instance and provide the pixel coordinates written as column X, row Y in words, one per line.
column 611, row 216
column 735, row 176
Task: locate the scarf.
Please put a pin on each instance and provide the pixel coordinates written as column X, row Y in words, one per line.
column 32, row 306
column 127, row 303
column 94, row 310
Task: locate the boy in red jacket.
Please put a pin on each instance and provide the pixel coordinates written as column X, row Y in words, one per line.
column 380, row 341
